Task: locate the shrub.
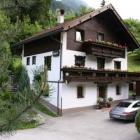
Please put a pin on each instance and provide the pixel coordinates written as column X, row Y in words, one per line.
column 137, row 121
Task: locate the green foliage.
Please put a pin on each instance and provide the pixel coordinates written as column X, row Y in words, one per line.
column 137, row 121
column 134, row 26
column 5, row 60
column 133, row 62
column 35, row 9
column 25, row 28
column 82, row 10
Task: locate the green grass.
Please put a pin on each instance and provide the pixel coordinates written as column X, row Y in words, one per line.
column 43, row 109
column 26, row 125
column 133, row 62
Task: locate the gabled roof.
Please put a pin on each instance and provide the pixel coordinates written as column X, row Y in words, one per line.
column 74, row 22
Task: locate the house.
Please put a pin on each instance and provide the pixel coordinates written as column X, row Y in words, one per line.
column 86, row 58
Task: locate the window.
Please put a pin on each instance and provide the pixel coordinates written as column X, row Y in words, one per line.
column 124, row 104
column 100, row 36
column 28, row 61
column 80, row 92
column 117, row 65
column 100, row 63
column 136, row 105
column 33, row 60
column 47, row 62
column 79, row 35
column 118, row 92
column 80, row 61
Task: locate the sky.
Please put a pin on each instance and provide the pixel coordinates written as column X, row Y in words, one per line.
column 125, row 8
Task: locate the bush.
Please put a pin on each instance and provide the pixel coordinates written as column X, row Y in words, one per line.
column 137, row 121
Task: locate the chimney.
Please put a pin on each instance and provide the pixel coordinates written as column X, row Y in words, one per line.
column 60, row 18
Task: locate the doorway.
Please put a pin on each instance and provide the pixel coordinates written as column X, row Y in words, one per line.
column 102, row 91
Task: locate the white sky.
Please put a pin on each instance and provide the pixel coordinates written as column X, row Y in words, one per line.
column 125, row 8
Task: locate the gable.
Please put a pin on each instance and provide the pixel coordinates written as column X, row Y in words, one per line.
column 107, row 15
column 107, row 22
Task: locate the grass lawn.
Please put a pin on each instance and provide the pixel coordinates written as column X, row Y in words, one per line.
column 44, row 110
column 26, row 124
column 133, row 62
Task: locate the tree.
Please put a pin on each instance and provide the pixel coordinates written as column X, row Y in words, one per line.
column 103, row 3
column 37, row 10
column 134, row 26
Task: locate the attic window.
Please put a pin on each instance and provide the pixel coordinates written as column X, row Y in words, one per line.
column 100, row 36
column 79, row 35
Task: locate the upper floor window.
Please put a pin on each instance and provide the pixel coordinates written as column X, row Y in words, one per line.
column 47, row 62
column 28, row 61
column 79, row 35
column 80, row 61
column 33, row 60
column 80, row 93
column 117, row 65
column 100, row 63
column 100, row 36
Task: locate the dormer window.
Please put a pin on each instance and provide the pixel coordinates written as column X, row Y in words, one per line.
column 100, row 36
column 80, row 61
column 79, row 35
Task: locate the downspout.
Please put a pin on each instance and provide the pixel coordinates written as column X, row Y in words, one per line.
column 59, row 81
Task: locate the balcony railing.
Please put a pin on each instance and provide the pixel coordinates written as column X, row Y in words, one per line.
column 104, row 49
column 99, row 76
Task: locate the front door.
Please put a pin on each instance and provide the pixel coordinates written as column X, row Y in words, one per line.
column 102, row 91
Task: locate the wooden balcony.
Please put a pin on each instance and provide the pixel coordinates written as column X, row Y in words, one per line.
column 98, row 76
column 104, row 49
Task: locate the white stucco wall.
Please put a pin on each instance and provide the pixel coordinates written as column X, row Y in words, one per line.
column 69, row 95
column 124, row 89
column 70, row 100
column 53, row 74
column 68, row 57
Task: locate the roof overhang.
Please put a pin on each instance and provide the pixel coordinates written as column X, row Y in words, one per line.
column 72, row 23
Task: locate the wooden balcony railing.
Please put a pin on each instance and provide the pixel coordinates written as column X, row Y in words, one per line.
column 100, row 76
column 104, row 49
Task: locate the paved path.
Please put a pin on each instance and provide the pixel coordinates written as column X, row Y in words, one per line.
column 84, row 125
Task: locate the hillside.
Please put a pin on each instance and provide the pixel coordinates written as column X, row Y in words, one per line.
column 67, row 4
column 133, row 61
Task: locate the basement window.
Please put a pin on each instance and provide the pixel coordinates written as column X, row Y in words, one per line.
column 79, row 35
column 80, row 93
column 33, row 60
column 118, row 90
column 80, row 61
column 47, row 62
column 28, row 61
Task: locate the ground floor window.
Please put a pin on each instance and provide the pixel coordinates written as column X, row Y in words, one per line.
column 118, row 90
column 80, row 93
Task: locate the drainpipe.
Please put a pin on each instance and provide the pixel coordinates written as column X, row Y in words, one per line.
column 58, row 84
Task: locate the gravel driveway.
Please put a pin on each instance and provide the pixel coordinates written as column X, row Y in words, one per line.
column 84, row 125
